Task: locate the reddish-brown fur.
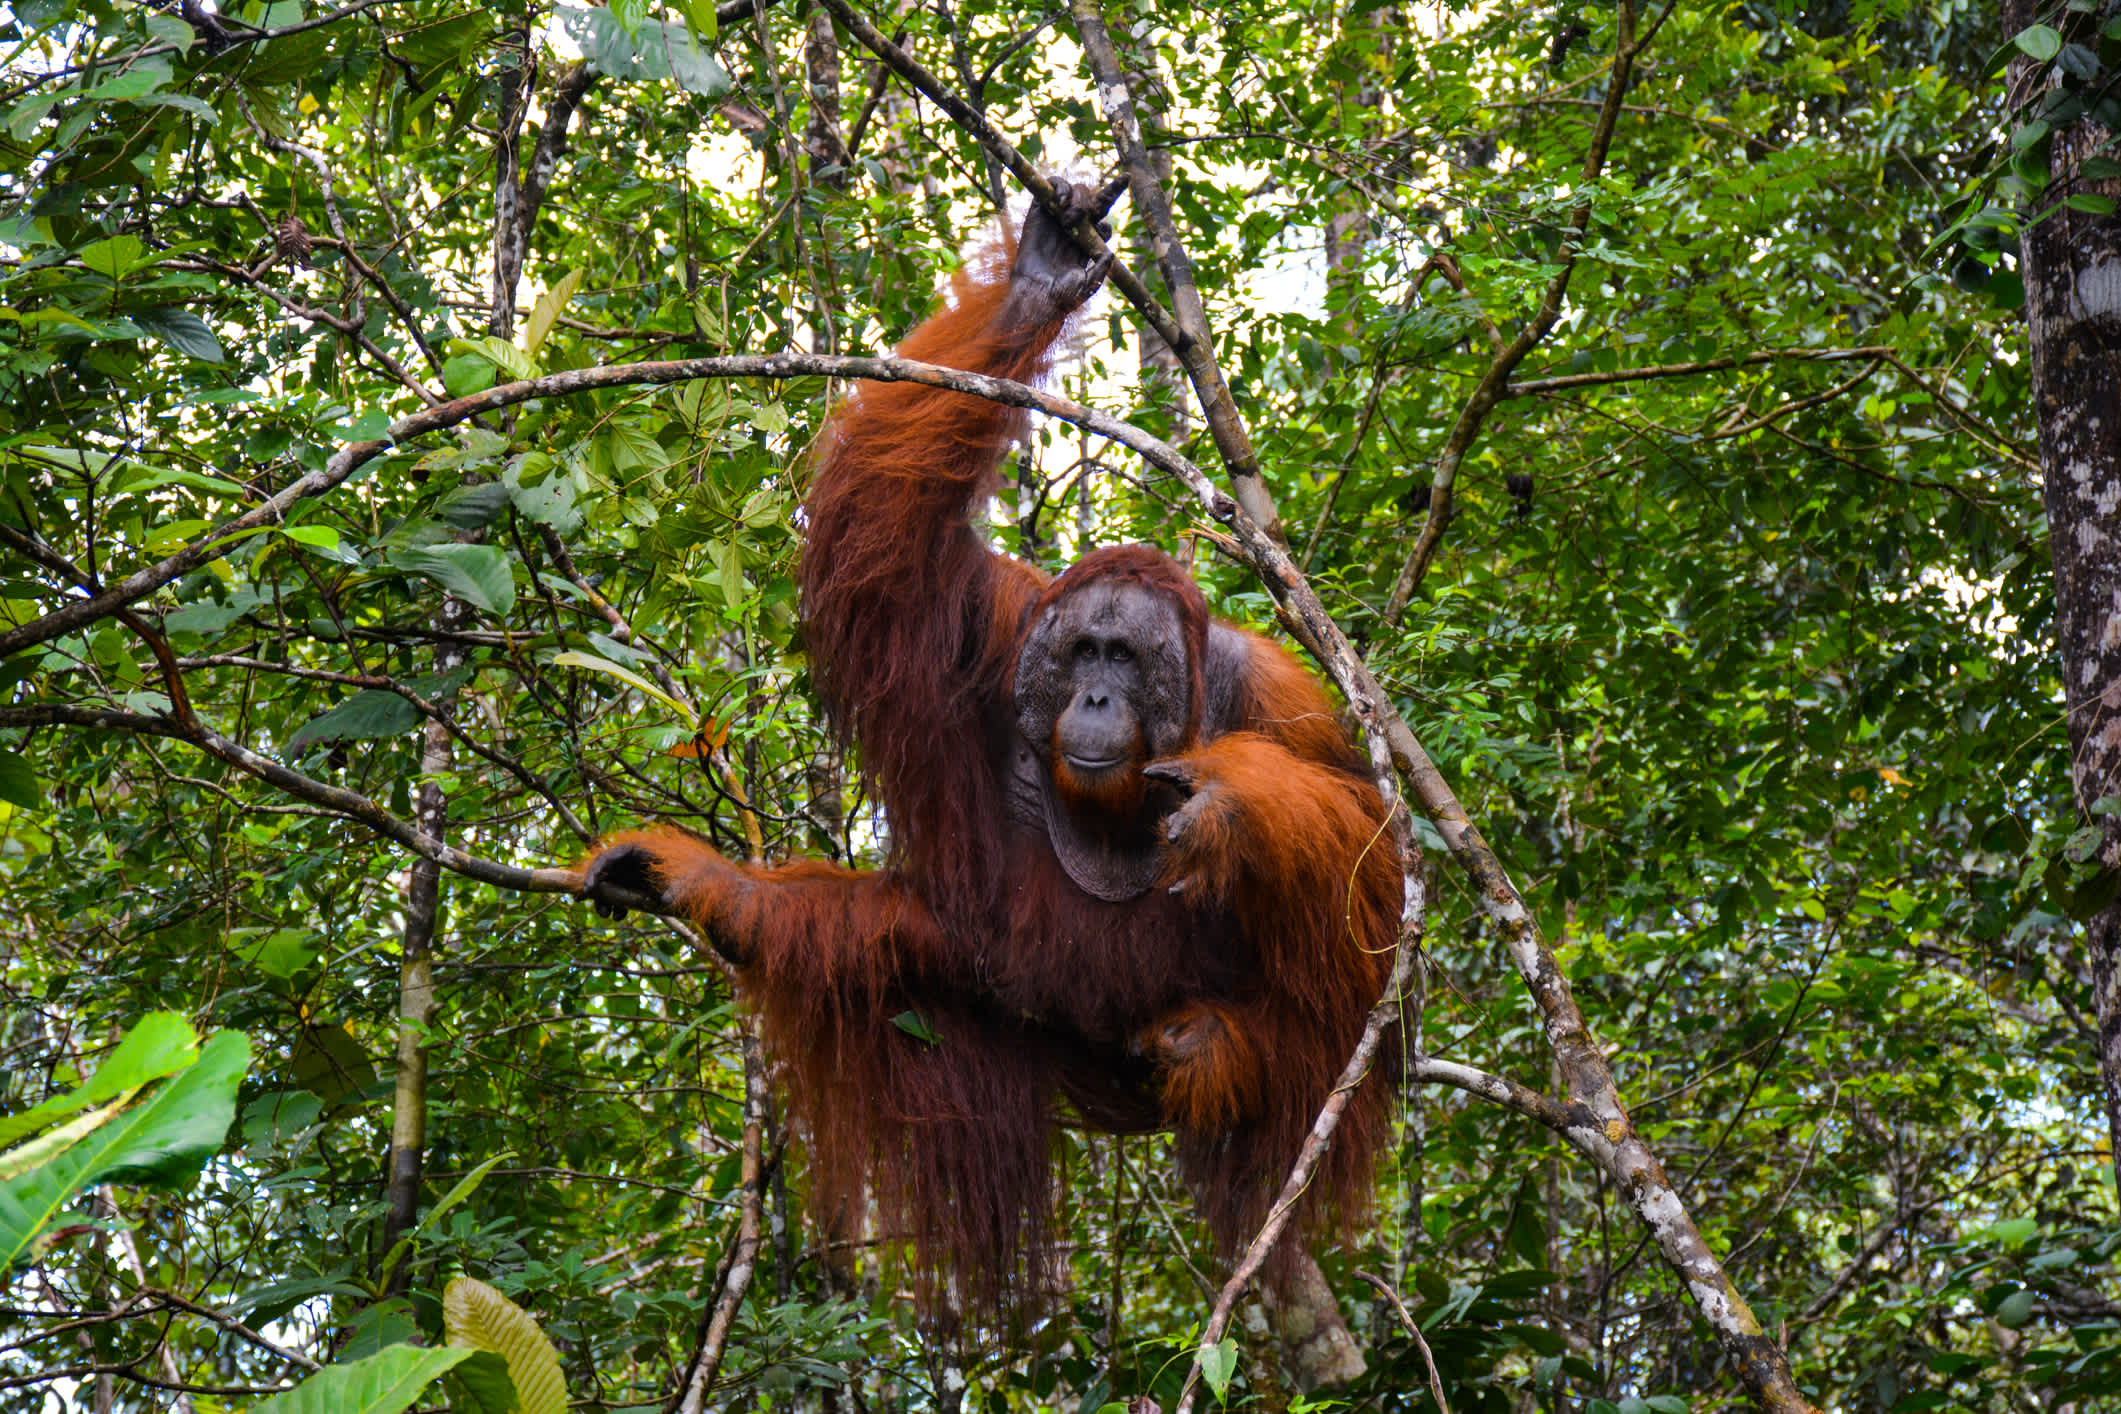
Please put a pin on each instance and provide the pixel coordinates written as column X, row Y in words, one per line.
column 1221, row 1003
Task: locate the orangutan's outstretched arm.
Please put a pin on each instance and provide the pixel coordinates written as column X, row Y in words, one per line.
column 810, row 916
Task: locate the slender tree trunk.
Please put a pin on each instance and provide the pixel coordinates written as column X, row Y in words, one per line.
column 1161, row 375
column 518, row 193
column 821, row 136
column 416, row 983
column 2071, row 262
column 1347, row 230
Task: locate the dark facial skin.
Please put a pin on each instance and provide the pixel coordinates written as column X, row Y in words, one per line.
column 1098, row 730
column 1103, row 687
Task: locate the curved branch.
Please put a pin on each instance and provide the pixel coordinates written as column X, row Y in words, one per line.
column 349, row 805
column 1413, row 919
column 1490, row 390
column 351, row 457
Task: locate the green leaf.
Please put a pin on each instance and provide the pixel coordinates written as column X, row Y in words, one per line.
column 467, row 373
column 2042, row 42
column 385, row 1383
column 321, row 537
column 504, row 356
column 367, row 715
column 331, row 1064
column 477, row 1316
column 1218, row 1363
column 2015, row 1310
column 916, row 1026
column 116, row 257
column 182, row 330
column 2079, row 62
column 480, row 575
column 481, row 1385
column 730, row 574
column 168, row 29
column 163, row 1140
column 575, row 658
column 184, row 103
column 207, row 618
column 548, row 308
column 160, row 1043
column 18, row 782
column 2015, row 1232
column 551, row 502
column 23, row 118
column 2091, row 203
column 139, row 79
column 285, row 952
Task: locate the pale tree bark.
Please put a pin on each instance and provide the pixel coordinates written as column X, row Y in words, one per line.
column 740, row 1263
column 2071, row 263
column 416, row 991
column 1161, row 375
column 1347, row 231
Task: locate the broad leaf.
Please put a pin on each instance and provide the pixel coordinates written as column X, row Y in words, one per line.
column 160, row 1043
column 18, row 782
column 370, row 713
column 182, row 330
column 1218, row 1363
column 476, row 1315
column 2042, row 42
column 478, row 574
column 162, row 1139
column 385, row 1383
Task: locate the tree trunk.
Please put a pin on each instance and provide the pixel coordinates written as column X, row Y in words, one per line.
column 2071, row 262
column 416, row 980
column 1162, row 376
column 821, row 135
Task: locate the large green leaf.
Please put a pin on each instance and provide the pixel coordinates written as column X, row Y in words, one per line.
column 160, row 1043
column 370, row 713
column 478, row 574
column 18, row 785
column 477, row 1316
column 387, row 1382
column 182, row 330
column 163, row 1139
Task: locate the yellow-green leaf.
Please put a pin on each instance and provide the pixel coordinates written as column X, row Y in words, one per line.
column 477, row 1316
column 547, row 310
column 574, row 658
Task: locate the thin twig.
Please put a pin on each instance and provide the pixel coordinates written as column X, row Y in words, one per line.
column 1489, row 391
column 1383, row 1015
column 1406, row 1323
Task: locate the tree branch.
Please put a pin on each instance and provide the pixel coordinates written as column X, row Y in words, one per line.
column 1489, row 391
column 1413, row 919
column 1196, row 349
column 1085, row 232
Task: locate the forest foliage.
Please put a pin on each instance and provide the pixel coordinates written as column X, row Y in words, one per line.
column 1734, row 646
